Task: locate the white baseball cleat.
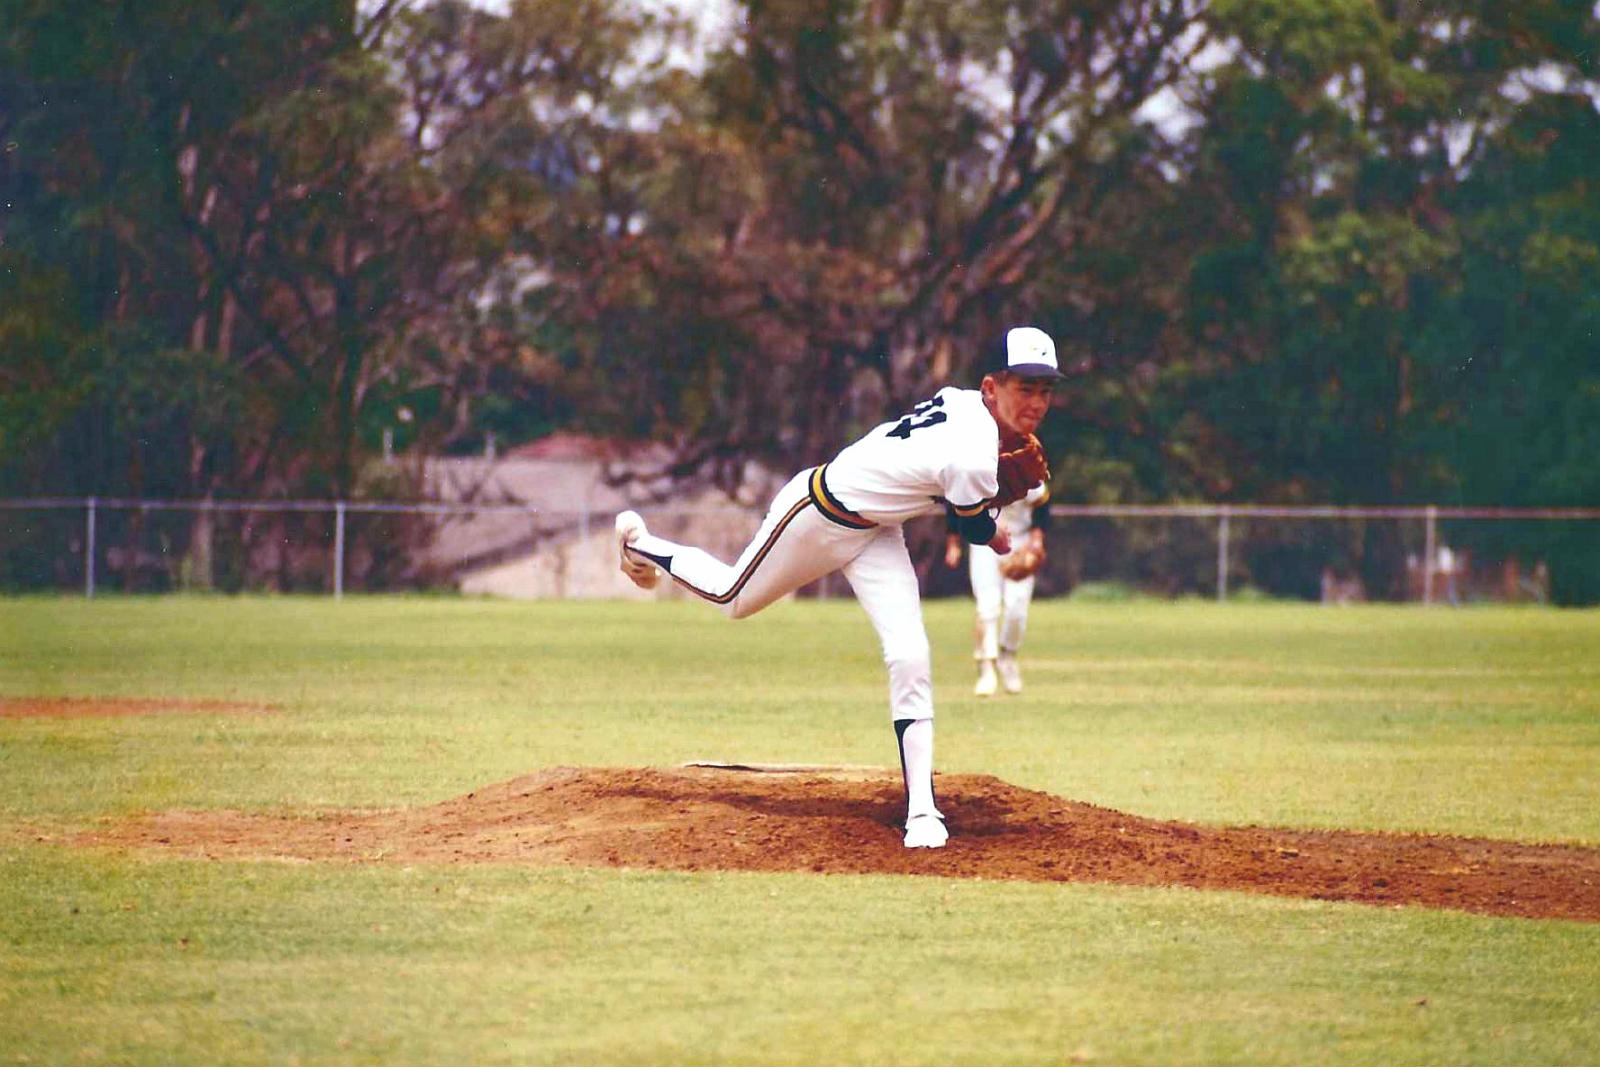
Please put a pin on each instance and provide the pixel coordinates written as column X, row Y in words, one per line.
column 988, row 682
column 641, row 572
column 926, row 831
column 1010, row 672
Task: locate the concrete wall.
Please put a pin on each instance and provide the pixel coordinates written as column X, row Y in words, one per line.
column 576, row 566
column 565, row 546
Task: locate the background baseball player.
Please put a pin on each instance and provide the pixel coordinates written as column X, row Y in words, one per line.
column 1002, row 588
column 971, row 450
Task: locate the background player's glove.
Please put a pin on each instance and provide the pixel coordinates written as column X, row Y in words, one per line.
column 1022, row 562
column 1021, row 468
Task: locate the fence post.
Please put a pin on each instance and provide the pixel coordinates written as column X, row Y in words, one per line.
column 1430, row 548
column 1222, row 555
column 338, row 550
column 88, row 550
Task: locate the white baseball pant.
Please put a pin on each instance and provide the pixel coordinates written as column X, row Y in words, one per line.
column 805, row 536
column 1001, row 603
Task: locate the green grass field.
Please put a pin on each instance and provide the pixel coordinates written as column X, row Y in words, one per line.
column 1481, row 722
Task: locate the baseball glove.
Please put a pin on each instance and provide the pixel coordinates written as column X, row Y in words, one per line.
column 1021, row 563
column 1022, row 466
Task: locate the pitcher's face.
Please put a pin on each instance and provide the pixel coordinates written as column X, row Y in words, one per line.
column 1019, row 404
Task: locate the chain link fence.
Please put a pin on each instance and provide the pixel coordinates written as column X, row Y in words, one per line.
column 92, row 545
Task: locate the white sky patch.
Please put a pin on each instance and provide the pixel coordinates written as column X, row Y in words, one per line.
column 712, row 22
column 1167, row 112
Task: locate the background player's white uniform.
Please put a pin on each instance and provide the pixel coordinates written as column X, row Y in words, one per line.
column 1001, row 602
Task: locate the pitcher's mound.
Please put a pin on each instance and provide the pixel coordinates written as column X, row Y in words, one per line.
column 846, row 820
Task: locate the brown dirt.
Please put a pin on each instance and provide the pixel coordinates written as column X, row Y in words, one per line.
column 843, row 821
column 105, row 707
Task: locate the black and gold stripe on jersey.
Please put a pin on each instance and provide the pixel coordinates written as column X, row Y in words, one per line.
column 829, row 504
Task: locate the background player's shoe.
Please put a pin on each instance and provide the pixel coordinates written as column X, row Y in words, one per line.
column 988, row 681
column 643, row 573
column 926, row 831
column 1010, row 672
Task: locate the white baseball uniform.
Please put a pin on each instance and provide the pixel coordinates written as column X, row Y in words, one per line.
column 846, row 515
column 1001, row 602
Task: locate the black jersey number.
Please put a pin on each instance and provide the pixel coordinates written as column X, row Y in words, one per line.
column 923, row 415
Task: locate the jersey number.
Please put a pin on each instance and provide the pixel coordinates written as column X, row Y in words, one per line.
column 923, row 415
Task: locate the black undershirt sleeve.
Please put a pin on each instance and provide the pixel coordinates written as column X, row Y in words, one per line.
column 976, row 529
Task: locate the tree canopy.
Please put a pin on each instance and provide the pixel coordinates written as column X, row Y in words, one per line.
column 1297, row 251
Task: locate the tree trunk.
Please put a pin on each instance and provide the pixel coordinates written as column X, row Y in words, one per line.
column 198, row 571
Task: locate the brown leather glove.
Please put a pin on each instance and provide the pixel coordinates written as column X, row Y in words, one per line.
column 1023, row 562
column 1021, row 468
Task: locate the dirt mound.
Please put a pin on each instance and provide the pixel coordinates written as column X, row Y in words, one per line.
column 832, row 822
column 105, row 707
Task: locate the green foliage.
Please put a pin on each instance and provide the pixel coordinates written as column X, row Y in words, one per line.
column 1302, row 251
column 39, row 337
column 1307, row 40
column 1360, row 336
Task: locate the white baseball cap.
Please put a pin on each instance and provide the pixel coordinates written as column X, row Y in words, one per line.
column 1026, row 351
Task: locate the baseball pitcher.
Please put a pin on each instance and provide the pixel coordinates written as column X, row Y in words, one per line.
column 971, row 450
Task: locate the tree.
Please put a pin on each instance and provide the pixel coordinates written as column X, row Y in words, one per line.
column 204, row 176
column 1310, row 250
column 850, row 204
column 1526, row 381
column 1327, row 304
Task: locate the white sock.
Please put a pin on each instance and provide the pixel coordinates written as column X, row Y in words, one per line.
column 916, row 763
column 700, row 569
